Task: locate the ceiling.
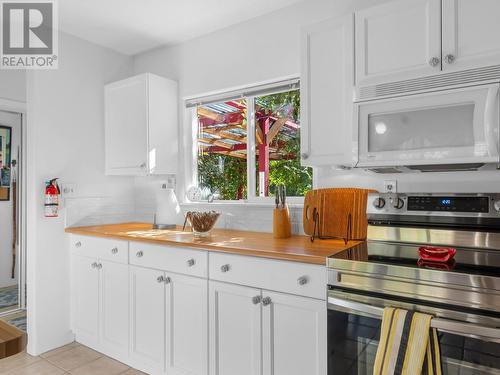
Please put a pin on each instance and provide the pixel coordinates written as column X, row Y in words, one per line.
column 134, row 26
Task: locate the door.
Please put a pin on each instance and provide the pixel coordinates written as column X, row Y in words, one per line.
column 235, row 330
column 147, row 319
column 86, row 300
column 397, row 41
column 126, row 124
column 186, row 325
column 452, row 127
column 114, row 327
column 354, row 335
column 470, row 34
column 326, row 92
column 294, row 335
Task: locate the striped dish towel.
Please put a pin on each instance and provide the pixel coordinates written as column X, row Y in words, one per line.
column 408, row 345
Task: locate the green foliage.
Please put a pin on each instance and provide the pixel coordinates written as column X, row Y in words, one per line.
column 226, row 175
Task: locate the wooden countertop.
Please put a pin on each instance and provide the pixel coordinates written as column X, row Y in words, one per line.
column 296, row 248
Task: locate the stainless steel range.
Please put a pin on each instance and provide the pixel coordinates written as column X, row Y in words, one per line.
column 462, row 293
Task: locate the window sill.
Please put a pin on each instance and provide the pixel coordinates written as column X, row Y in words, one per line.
column 299, row 203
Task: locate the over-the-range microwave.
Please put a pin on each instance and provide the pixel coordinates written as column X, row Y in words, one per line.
column 447, row 130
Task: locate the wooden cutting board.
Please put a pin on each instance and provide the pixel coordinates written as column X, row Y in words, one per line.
column 334, row 208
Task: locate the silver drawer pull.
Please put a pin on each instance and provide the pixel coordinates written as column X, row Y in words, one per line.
column 99, row 266
column 266, row 301
column 78, row 244
column 139, row 254
column 168, row 280
column 303, row 280
column 256, row 300
column 94, row 265
column 225, row 268
column 160, row 279
column 191, row 262
column 114, row 250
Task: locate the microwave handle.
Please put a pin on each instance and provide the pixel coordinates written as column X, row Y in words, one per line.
column 446, row 325
column 491, row 120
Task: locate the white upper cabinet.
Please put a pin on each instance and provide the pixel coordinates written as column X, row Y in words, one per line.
column 141, row 126
column 471, row 34
column 327, row 80
column 398, row 40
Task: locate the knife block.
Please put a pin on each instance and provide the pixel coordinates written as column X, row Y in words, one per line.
column 282, row 225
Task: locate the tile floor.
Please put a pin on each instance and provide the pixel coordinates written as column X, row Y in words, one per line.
column 70, row 359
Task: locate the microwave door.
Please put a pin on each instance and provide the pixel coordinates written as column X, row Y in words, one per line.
column 455, row 126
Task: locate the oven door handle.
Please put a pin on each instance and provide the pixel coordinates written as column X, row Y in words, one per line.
column 445, row 325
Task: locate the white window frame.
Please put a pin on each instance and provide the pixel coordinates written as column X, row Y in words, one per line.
column 191, row 127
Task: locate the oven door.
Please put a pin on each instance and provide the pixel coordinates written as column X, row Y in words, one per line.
column 457, row 126
column 470, row 346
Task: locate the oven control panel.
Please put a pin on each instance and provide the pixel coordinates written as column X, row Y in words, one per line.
column 434, row 204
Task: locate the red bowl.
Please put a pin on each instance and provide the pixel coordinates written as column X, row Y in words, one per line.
column 436, row 254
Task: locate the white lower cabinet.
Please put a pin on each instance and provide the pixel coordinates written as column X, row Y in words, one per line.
column 86, row 300
column 235, row 329
column 100, row 305
column 147, row 319
column 169, row 322
column 173, row 320
column 294, row 335
column 254, row 331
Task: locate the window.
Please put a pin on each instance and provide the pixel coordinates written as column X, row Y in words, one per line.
column 249, row 144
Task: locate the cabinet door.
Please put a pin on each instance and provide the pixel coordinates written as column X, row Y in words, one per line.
column 326, row 92
column 86, row 300
column 114, row 327
column 235, row 330
column 126, row 123
column 147, row 319
column 397, row 41
column 471, row 33
column 294, row 335
column 186, row 325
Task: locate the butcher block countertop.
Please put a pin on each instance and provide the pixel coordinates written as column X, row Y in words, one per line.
column 261, row 244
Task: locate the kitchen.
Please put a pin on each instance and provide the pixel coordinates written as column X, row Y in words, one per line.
column 389, row 71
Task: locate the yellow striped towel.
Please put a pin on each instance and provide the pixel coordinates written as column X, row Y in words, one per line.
column 408, row 345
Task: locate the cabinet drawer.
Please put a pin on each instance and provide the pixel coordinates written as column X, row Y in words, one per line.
column 102, row 248
column 283, row 276
column 169, row 258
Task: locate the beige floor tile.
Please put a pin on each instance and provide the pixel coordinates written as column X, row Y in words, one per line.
column 73, row 358
column 60, row 350
column 102, row 366
column 38, row 368
column 16, row 361
column 133, row 371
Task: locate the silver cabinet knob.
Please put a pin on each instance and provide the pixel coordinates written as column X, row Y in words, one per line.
column 191, row 262
column 142, row 166
column 266, row 301
column 78, row 244
column 99, row 266
column 167, row 280
column 139, row 254
column 94, row 265
column 114, row 250
column 303, row 280
column 434, row 61
column 225, row 268
column 449, row 59
column 160, row 279
column 256, row 300
column 304, row 155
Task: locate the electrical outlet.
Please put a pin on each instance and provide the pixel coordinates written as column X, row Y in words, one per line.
column 390, row 186
column 68, row 190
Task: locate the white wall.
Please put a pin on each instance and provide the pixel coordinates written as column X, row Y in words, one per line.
column 268, row 48
column 13, row 85
column 66, row 140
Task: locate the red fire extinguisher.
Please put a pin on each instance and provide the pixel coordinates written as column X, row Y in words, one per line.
column 52, row 193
